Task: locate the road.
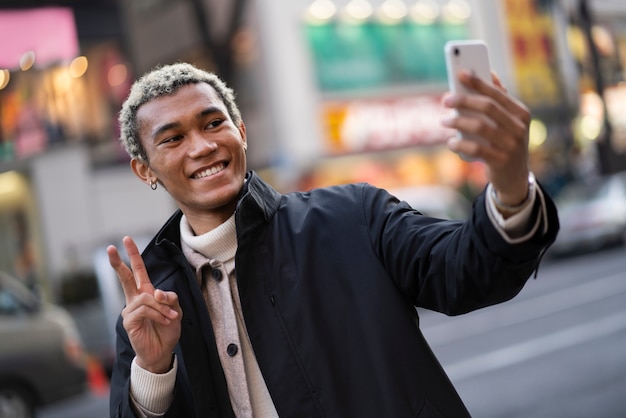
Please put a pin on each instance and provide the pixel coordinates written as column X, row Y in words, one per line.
column 556, row 350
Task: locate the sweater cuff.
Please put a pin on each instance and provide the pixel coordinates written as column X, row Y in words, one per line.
column 521, row 226
column 152, row 393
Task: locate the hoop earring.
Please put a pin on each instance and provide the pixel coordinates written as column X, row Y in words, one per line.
column 153, row 185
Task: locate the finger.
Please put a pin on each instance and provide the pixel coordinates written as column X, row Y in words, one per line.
column 142, row 280
column 475, row 149
column 481, row 115
column 136, row 313
column 124, row 274
column 497, row 92
column 495, row 79
column 164, row 302
column 169, row 299
column 473, row 123
column 483, row 140
column 465, row 148
column 489, row 121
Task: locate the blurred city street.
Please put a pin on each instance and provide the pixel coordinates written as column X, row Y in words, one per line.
column 556, row 350
column 88, row 405
column 331, row 92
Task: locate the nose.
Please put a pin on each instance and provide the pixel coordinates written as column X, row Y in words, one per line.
column 200, row 145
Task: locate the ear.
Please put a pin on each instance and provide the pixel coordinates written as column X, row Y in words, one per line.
column 242, row 132
column 143, row 171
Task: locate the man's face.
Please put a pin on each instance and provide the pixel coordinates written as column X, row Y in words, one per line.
column 195, row 151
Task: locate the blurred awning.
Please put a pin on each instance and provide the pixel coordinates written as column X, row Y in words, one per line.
column 48, row 33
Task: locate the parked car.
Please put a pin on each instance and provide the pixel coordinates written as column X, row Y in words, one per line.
column 41, row 354
column 592, row 215
column 437, row 201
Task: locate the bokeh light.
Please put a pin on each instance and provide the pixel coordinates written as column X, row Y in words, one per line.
column 5, row 77
column 590, row 127
column 117, row 75
column 392, row 11
column 425, row 11
column 456, row 11
column 27, row 60
column 321, row 11
column 537, row 134
column 78, row 66
column 358, row 10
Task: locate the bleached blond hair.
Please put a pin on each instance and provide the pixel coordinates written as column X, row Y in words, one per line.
column 161, row 81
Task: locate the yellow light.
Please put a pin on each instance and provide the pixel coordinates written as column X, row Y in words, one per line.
column 27, row 60
column 425, row 11
column 61, row 81
column 117, row 75
column 576, row 42
column 12, row 187
column 590, row 127
column 456, row 11
column 358, row 10
column 5, row 76
column 537, row 133
column 392, row 11
column 78, row 67
column 321, row 11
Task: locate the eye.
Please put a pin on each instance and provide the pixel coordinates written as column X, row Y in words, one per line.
column 214, row 123
column 172, row 139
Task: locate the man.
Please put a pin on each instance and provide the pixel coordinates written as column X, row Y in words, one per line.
column 252, row 303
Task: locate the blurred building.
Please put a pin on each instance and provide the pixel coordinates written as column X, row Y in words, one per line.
column 331, row 91
column 64, row 182
column 597, row 40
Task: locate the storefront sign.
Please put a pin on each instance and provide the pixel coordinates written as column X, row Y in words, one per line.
column 47, row 34
column 531, row 36
column 371, row 54
column 366, row 125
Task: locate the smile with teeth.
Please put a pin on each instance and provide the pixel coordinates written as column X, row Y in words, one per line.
column 209, row 172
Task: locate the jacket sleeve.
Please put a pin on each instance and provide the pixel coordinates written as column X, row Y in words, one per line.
column 120, row 403
column 454, row 267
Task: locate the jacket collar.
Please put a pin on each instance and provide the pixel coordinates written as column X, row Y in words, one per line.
column 257, row 203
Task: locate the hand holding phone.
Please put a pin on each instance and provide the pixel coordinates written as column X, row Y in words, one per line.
column 510, row 121
column 471, row 56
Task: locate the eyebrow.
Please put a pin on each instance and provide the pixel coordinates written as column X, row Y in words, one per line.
column 206, row 111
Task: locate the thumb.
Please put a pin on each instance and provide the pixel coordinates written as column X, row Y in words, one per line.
column 160, row 296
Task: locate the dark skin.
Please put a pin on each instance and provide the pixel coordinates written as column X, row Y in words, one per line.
column 505, row 149
column 151, row 316
column 197, row 153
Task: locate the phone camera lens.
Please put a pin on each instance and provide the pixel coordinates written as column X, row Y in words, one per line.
column 456, row 51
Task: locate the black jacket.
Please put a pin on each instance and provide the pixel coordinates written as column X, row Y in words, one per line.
column 329, row 281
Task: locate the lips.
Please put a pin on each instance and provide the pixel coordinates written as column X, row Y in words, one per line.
column 209, row 171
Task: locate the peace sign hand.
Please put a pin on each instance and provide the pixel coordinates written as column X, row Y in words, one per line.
column 151, row 317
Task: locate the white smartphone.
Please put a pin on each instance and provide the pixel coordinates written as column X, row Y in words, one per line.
column 469, row 55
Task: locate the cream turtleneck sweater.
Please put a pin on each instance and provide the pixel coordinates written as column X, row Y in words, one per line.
column 213, row 257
